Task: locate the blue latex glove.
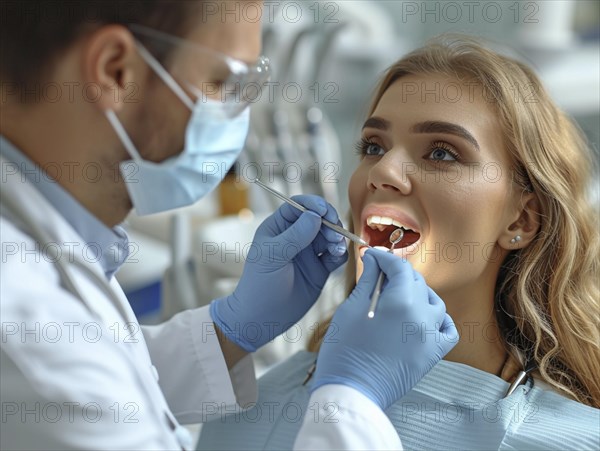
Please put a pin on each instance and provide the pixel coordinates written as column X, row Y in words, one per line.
column 385, row 356
column 286, row 268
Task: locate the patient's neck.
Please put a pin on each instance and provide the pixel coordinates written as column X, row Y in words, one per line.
column 480, row 344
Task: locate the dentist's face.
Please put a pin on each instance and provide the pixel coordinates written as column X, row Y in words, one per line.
column 160, row 119
column 434, row 162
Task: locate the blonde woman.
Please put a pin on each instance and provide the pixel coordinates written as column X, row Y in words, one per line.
column 465, row 150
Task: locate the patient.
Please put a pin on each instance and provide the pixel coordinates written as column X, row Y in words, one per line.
column 464, row 149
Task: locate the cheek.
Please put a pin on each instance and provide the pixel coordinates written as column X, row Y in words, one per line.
column 357, row 192
column 358, row 264
column 162, row 123
column 355, row 189
column 356, row 195
column 471, row 210
column 465, row 223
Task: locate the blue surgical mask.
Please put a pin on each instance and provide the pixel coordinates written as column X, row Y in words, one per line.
column 213, row 141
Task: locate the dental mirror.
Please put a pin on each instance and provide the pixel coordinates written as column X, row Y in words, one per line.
column 395, row 237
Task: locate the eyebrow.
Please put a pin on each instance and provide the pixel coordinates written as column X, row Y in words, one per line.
column 377, row 122
column 426, row 127
column 445, row 127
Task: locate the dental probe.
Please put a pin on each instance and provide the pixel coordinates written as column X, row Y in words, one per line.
column 395, row 237
column 326, row 223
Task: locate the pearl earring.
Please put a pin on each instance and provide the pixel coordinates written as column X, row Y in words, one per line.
column 516, row 239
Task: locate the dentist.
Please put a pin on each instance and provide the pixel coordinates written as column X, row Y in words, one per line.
column 98, row 101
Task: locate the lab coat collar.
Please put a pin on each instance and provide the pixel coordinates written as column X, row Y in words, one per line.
column 108, row 246
column 36, row 209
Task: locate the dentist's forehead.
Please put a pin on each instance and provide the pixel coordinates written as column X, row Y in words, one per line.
column 227, row 28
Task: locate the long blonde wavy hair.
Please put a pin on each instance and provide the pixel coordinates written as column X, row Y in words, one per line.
column 547, row 294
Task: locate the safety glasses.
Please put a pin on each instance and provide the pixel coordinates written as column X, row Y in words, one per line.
column 206, row 73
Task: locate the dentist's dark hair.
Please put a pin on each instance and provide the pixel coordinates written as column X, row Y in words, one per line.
column 34, row 32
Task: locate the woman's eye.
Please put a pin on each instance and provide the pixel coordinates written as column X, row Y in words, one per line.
column 373, row 149
column 442, row 153
column 367, row 148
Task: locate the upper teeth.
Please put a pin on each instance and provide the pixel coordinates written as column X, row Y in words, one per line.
column 380, row 222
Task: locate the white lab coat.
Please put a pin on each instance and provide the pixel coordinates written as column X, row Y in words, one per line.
column 83, row 374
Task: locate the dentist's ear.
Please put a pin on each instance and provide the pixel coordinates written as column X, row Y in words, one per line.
column 109, row 65
column 522, row 230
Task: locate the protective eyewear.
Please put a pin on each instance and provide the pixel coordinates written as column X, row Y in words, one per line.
column 206, row 73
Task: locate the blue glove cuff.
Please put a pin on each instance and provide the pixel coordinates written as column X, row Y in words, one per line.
column 236, row 334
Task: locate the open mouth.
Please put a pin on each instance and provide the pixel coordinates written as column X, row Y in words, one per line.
column 378, row 229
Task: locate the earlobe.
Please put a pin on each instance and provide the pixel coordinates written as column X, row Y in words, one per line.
column 521, row 232
column 108, row 64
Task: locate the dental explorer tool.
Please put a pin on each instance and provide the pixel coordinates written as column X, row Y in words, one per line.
column 326, row 223
column 395, row 237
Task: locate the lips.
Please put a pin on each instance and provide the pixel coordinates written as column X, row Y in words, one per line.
column 379, row 223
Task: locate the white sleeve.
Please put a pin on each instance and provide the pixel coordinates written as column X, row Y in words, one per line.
column 65, row 384
column 192, row 371
column 344, row 418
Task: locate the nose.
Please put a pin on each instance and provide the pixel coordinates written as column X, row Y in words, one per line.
column 390, row 173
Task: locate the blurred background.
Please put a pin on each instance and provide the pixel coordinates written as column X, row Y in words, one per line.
column 327, row 58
